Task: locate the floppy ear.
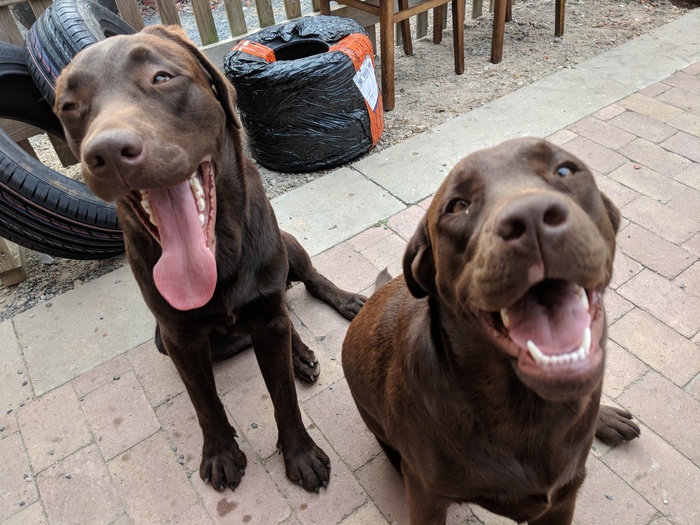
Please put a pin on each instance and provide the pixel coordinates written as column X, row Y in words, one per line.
column 418, row 262
column 612, row 211
column 222, row 88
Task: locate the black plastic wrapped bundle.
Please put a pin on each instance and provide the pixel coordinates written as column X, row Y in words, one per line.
column 307, row 93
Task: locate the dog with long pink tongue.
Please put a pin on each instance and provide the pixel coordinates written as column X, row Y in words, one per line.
column 491, row 344
column 153, row 122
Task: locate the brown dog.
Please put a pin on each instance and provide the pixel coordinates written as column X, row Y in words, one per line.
column 153, row 123
column 480, row 370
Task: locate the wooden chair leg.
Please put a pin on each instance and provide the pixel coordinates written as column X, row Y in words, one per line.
column 559, row 18
column 499, row 27
column 386, row 35
column 458, row 34
column 405, row 29
column 437, row 23
column 509, row 11
column 325, row 7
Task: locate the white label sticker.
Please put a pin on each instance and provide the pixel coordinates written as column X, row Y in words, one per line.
column 367, row 82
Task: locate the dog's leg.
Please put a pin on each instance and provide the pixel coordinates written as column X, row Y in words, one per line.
column 223, row 463
column 424, row 508
column 301, row 269
column 562, row 510
column 305, row 463
column 615, row 426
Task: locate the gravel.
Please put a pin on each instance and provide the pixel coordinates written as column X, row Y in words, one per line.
column 428, row 94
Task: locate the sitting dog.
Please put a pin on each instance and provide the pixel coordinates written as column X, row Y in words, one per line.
column 154, row 126
column 480, row 369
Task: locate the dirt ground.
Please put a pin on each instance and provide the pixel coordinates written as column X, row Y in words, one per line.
column 428, row 93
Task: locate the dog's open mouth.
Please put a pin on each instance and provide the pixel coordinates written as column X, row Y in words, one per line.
column 553, row 330
column 182, row 219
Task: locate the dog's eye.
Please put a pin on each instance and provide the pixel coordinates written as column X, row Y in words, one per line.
column 161, row 78
column 566, row 170
column 69, row 106
column 457, row 206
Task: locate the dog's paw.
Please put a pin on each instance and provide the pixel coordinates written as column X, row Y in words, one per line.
column 350, row 305
column 224, row 468
column 615, row 426
column 309, row 467
column 306, row 366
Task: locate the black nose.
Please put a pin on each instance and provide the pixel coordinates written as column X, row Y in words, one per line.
column 114, row 151
column 536, row 218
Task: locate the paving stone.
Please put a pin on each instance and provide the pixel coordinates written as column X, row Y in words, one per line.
column 655, row 89
column 648, row 182
column 604, row 133
column 235, row 371
column 561, row 137
column 650, row 107
column 120, row 415
column 662, row 475
column 15, row 492
column 624, row 267
column 597, row 157
column 53, row 427
column 687, row 122
column 316, row 315
column 642, row 126
column 16, row 388
column 664, row 300
column 31, row 515
column 8, row 424
column 156, row 373
column 425, row 203
column 693, row 387
column 334, row 413
column 370, row 236
column 684, row 81
column 653, row 156
column 693, row 245
column 346, row 268
column 693, row 69
column 622, row 369
column 684, row 144
column 386, row 488
column 387, row 254
column 608, row 112
column 333, row 342
column 657, row 345
column 195, row 515
column 101, row 375
column 256, row 501
column 662, row 220
column 682, row 99
column 660, row 521
column 615, row 306
column 618, row 193
column 182, row 431
column 668, row 411
column 689, row 280
column 365, row 515
column 405, row 222
column 666, row 258
column 141, row 475
column 605, row 498
column 78, row 489
column 686, row 203
column 331, row 505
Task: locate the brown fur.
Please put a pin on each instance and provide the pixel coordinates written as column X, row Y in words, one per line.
column 458, row 410
column 141, row 112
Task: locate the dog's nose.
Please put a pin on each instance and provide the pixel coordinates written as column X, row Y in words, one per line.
column 114, row 151
column 536, row 217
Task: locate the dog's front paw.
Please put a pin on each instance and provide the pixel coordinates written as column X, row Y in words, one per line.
column 308, row 467
column 350, row 305
column 615, row 426
column 223, row 468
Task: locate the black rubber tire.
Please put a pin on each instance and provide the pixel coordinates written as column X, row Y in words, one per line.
column 64, row 29
column 25, row 16
column 41, row 209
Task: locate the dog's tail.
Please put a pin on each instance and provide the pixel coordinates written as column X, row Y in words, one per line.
column 383, row 278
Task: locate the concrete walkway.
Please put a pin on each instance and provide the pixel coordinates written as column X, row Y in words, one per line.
column 95, row 426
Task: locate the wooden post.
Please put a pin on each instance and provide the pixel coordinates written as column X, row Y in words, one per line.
column 13, row 267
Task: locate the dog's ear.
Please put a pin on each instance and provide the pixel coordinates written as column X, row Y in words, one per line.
column 612, row 211
column 418, row 262
column 222, row 88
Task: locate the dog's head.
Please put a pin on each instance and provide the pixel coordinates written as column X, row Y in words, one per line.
column 147, row 115
column 519, row 241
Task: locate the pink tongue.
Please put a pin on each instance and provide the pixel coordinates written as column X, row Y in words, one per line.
column 185, row 274
column 552, row 317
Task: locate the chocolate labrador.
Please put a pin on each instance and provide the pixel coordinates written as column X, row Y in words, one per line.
column 154, row 125
column 480, row 369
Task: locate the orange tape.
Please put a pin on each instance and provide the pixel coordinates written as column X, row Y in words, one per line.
column 358, row 47
column 256, row 49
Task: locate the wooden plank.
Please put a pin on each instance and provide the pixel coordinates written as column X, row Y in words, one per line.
column 130, row 12
column 205, row 21
column 422, row 25
column 39, row 6
column 63, row 152
column 292, row 8
column 168, row 12
column 19, row 130
column 266, row 16
column 8, row 27
column 13, row 266
column 27, row 146
column 477, row 8
column 236, row 18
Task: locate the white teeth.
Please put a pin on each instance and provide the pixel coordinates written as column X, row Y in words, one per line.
column 152, row 218
column 582, row 295
column 504, row 318
column 146, row 205
column 197, row 191
column 201, row 205
column 202, row 219
column 577, row 355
